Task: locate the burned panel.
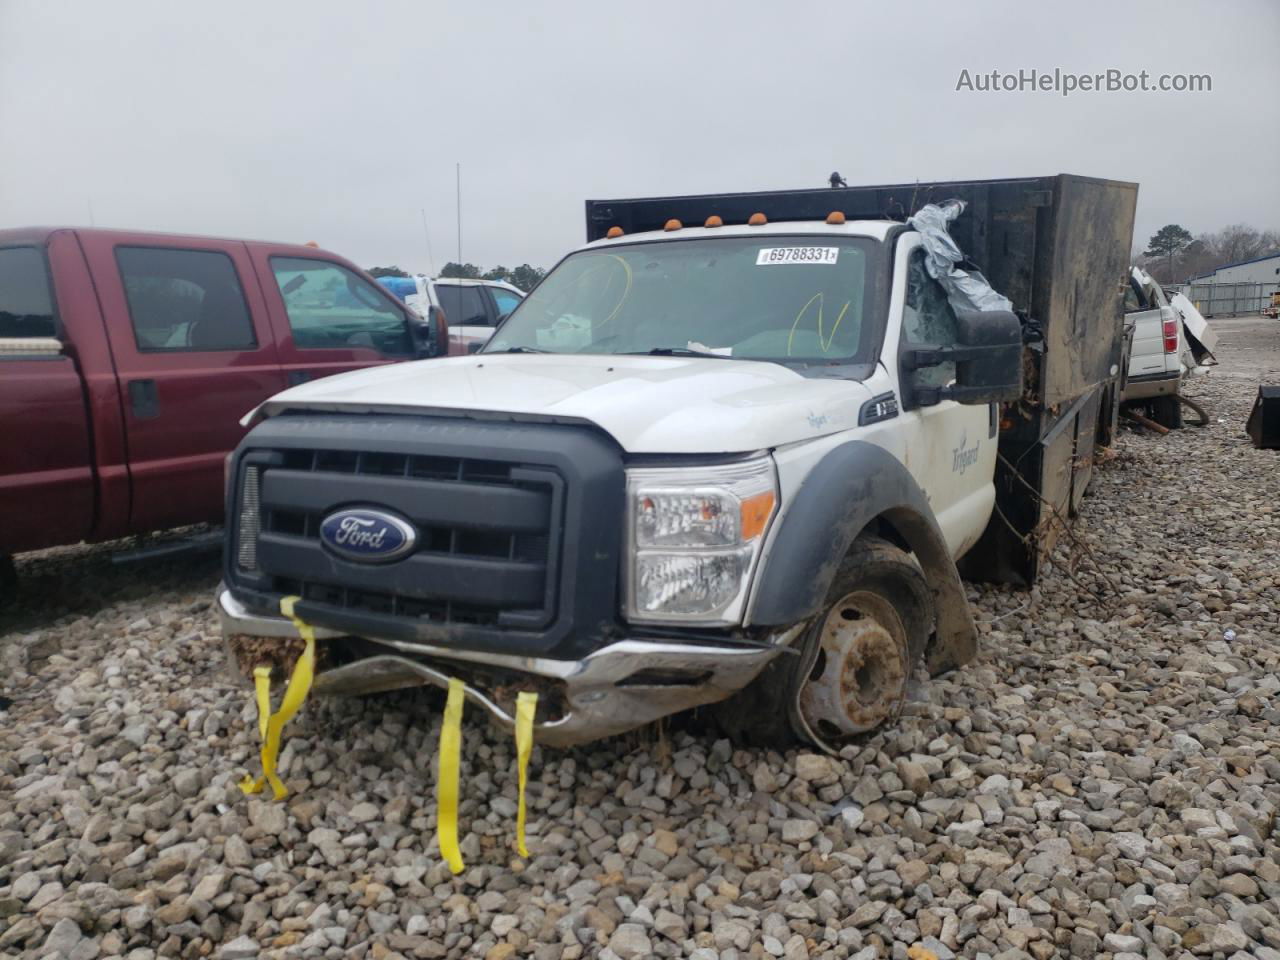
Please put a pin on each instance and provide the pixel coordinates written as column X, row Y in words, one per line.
column 1088, row 259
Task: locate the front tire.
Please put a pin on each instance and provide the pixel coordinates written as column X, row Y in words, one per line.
column 854, row 659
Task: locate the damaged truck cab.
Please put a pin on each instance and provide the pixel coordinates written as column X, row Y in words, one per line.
column 736, row 446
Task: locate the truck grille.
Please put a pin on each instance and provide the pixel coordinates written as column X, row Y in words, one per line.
column 502, row 547
column 485, row 535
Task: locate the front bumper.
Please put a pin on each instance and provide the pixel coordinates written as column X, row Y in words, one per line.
column 623, row 685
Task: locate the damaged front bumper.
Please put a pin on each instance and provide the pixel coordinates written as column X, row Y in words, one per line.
column 623, row 685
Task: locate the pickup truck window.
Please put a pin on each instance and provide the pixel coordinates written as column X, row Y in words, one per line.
column 505, row 299
column 184, row 300
column 463, row 306
column 330, row 307
column 26, row 306
column 781, row 298
column 927, row 318
column 1134, row 298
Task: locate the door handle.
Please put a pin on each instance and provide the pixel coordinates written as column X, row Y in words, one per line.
column 296, row 377
column 144, row 400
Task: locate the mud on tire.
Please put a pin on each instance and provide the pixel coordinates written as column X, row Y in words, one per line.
column 881, row 578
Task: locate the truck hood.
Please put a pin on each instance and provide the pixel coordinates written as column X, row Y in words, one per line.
column 647, row 404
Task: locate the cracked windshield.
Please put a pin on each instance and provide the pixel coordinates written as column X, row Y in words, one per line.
column 776, row 298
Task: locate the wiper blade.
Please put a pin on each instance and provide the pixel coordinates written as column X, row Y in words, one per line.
column 677, row 352
column 522, row 350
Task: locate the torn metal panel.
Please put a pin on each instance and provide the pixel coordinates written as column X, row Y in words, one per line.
column 1202, row 338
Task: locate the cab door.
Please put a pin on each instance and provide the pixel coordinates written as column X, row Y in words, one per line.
column 950, row 447
column 329, row 318
column 46, row 459
column 193, row 354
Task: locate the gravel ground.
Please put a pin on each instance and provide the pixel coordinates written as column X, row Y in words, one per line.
column 1103, row 781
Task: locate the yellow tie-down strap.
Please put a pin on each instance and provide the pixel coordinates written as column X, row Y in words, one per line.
column 526, row 706
column 447, row 781
column 450, row 758
column 271, row 725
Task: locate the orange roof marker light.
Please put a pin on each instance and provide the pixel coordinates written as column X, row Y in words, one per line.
column 835, row 217
column 312, row 243
column 757, row 220
column 673, row 224
column 614, row 232
column 713, row 221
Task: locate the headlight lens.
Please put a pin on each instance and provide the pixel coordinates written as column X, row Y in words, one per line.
column 695, row 534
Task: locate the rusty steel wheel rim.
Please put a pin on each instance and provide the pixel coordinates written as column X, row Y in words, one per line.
column 859, row 675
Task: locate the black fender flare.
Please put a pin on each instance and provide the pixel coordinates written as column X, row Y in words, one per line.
column 850, row 487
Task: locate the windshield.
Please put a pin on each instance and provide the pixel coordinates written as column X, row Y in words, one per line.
column 800, row 299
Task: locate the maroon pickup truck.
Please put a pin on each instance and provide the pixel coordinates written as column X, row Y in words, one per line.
column 128, row 359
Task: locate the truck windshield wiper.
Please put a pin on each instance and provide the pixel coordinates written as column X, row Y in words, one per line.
column 522, row 350
column 676, row 352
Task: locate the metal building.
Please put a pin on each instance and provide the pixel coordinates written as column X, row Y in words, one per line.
column 1258, row 270
column 1234, row 289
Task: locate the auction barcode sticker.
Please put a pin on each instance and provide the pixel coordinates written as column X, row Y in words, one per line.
column 771, row 255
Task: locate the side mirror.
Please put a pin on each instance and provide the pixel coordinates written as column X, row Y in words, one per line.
column 987, row 355
column 430, row 333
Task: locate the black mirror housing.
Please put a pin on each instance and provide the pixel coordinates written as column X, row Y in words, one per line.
column 992, row 373
column 429, row 333
column 988, row 359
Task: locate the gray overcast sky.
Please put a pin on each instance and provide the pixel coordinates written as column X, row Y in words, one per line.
column 337, row 121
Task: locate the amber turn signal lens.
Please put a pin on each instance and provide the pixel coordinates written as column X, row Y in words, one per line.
column 835, row 216
column 756, row 512
column 614, row 232
column 757, row 220
column 673, row 224
column 713, row 221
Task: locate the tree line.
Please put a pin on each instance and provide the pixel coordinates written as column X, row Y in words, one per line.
column 524, row 276
column 1173, row 255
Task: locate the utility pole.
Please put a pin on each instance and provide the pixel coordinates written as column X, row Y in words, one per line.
column 431, row 257
column 458, row 187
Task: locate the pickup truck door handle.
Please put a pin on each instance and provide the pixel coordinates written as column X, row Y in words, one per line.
column 296, row 377
column 143, row 399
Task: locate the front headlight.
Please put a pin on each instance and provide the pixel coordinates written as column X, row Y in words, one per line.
column 695, row 534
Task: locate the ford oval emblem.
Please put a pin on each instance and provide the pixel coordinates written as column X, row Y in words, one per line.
column 366, row 535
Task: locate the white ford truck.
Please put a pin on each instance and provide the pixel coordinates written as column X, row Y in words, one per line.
column 1170, row 342
column 736, row 446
